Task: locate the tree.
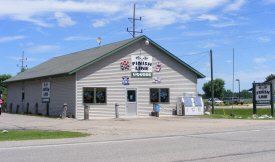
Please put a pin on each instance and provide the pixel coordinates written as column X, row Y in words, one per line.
column 270, row 77
column 218, row 85
column 228, row 93
column 22, row 70
column 3, row 87
column 4, row 77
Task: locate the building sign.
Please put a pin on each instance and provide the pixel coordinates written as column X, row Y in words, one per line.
column 46, row 90
column 125, row 80
column 263, row 94
column 158, row 67
column 46, row 100
column 141, row 66
column 157, row 80
column 141, row 75
column 124, row 65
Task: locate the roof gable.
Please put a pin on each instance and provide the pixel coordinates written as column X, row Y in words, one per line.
column 71, row 63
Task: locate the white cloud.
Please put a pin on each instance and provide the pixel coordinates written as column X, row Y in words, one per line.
column 42, row 49
column 63, row 20
column 99, row 23
column 30, row 44
column 208, row 64
column 235, row 6
column 189, row 5
column 264, row 39
column 8, row 39
column 15, row 58
column 207, row 79
column 226, row 24
column 181, row 27
column 201, row 33
column 229, row 61
column 257, row 68
column 164, row 18
column 259, row 60
column 18, row 58
column 208, row 17
column 193, row 53
column 36, row 10
column 78, row 38
column 209, row 45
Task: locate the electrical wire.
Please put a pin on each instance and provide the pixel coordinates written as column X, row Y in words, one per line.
column 198, row 59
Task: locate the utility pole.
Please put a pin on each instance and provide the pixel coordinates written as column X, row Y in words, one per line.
column 133, row 20
column 212, row 87
column 22, row 60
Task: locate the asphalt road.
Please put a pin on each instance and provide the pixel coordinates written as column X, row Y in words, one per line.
column 226, row 140
column 255, row 144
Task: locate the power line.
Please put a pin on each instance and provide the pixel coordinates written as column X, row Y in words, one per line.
column 88, row 41
column 198, row 59
column 193, row 54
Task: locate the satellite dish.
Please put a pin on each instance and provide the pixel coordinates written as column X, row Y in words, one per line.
column 99, row 40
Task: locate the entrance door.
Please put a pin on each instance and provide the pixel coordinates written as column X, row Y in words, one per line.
column 131, row 102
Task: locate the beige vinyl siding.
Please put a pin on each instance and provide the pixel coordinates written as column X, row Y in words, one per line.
column 107, row 73
column 62, row 90
column 14, row 93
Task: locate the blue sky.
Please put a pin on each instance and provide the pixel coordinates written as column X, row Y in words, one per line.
column 189, row 29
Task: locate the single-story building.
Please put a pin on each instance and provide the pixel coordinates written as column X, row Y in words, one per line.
column 135, row 73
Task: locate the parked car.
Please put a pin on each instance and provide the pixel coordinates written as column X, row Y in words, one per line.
column 216, row 100
column 234, row 100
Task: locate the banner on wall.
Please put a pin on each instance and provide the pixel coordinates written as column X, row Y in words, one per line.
column 141, row 66
column 124, row 65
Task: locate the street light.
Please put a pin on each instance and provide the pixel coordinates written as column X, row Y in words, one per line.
column 239, row 87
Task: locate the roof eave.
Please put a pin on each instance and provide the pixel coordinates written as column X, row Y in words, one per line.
column 37, row 78
column 199, row 75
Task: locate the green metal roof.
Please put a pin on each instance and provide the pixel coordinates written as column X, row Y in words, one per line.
column 71, row 63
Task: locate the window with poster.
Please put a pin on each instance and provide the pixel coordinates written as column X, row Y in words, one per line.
column 159, row 95
column 94, row 95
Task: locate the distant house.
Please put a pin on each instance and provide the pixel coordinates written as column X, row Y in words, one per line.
column 129, row 72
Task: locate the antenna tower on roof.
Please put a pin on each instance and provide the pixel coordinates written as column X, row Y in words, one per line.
column 22, row 68
column 133, row 20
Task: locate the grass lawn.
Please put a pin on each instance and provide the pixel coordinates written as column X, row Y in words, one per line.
column 243, row 113
column 16, row 135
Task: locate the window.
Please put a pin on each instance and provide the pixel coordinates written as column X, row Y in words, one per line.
column 94, row 95
column 131, row 95
column 159, row 95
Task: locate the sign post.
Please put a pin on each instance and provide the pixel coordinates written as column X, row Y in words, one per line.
column 272, row 99
column 254, row 99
